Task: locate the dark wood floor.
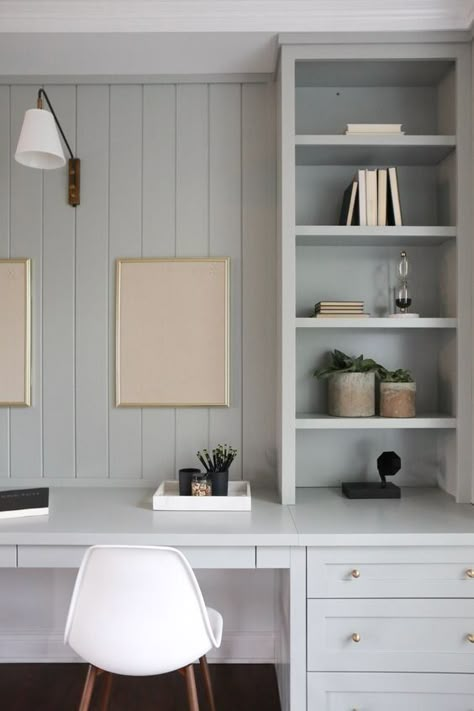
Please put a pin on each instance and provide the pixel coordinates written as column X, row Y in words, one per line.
column 57, row 687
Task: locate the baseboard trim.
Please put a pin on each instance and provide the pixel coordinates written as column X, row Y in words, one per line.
column 41, row 646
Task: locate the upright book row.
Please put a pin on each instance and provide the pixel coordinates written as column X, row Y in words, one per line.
column 372, row 199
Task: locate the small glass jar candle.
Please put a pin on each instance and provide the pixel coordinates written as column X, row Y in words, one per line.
column 201, row 486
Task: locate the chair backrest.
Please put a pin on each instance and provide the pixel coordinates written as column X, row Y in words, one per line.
column 137, row 610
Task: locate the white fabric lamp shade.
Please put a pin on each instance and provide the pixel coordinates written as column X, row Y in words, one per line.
column 39, row 145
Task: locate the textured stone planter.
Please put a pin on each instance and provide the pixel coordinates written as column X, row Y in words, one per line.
column 397, row 399
column 351, row 394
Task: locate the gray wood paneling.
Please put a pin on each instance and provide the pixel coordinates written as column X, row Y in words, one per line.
column 192, row 232
column 259, row 281
column 184, row 170
column 225, row 226
column 125, row 240
column 26, row 237
column 159, row 240
column 5, row 249
column 92, row 284
column 58, row 304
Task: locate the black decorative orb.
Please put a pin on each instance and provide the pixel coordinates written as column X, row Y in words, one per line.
column 388, row 464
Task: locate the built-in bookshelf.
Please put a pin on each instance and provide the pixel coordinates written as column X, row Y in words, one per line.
column 425, row 88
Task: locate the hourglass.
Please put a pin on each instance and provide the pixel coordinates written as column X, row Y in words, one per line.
column 402, row 294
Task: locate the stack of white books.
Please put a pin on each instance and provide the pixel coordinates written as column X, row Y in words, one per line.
column 360, row 129
column 372, row 199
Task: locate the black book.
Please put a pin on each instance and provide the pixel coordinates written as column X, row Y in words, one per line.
column 394, row 212
column 24, row 502
column 348, row 211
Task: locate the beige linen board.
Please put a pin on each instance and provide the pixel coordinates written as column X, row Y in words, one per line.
column 15, row 331
column 172, row 332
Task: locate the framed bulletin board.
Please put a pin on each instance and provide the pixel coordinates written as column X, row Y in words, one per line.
column 172, row 332
column 15, row 332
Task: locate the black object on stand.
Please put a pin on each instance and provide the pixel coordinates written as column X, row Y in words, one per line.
column 388, row 464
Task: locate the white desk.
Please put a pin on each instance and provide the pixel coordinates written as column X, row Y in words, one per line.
column 411, row 559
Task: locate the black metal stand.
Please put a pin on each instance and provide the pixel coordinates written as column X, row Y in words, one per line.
column 370, row 490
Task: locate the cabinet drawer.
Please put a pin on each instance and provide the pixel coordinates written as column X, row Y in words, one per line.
column 390, row 572
column 198, row 556
column 50, row 556
column 7, row 556
column 393, row 635
column 390, row 692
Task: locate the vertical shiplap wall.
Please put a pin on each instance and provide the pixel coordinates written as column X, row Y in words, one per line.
column 172, row 169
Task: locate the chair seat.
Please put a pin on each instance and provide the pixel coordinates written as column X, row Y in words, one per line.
column 217, row 624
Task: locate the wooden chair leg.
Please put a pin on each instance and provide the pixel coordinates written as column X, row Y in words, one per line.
column 88, row 688
column 191, row 688
column 106, row 689
column 207, row 682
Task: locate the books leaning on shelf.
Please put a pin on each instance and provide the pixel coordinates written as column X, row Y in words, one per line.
column 377, row 128
column 372, row 199
column 339, row 309
column 24, row 502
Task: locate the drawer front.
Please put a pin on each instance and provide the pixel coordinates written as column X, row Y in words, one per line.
column 50, row 556
column 198, row 557
column 7, row 556
column 391, row 635
column 390, row 692
column 390, row 572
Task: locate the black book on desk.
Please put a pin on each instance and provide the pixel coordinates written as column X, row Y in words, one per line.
column 24, row 502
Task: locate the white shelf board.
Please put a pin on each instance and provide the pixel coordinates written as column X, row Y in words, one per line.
column 372, row 150
column 326, row 422
column 375, row 323
column 355, row 236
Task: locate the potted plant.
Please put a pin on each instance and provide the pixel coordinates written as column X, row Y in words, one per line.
column 351, row 385
column 397, row 393
column 217, row 467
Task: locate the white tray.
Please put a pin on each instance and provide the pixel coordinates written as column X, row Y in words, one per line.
column 167, row 498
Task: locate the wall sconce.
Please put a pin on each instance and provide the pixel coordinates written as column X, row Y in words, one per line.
column 39, row 146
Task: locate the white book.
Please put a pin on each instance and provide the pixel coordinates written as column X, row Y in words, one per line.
column 384, row 128
column 371, row 193
column 382, row 197
column 362, row 197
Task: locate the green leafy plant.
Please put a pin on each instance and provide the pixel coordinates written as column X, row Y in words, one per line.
column 342, row 363
column 395, row 376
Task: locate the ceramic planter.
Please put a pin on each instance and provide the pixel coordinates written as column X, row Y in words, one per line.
column 351, row 394
column 397, row 399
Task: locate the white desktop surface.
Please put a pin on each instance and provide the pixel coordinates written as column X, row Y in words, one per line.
column 97, row 515
column 423, row 516
column 321, row 517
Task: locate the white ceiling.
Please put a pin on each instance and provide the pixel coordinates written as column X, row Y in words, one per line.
column 66, row 38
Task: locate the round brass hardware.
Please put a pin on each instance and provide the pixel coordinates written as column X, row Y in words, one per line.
column 356, row 573
column 470, row 638
column 356, row 637
column 470, row 573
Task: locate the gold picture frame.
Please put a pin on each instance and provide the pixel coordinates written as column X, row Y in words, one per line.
column 172, row 332
column 15, row 332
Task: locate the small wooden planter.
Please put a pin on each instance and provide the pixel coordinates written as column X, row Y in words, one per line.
column 397, row 399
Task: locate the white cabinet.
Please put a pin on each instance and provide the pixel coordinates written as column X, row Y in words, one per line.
column 437, row 572
column 390, row 692
column 390, row 628
column 391, row 635
column 425, row 87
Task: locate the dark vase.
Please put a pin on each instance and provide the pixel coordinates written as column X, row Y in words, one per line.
column 185, row 479
column 220, row 483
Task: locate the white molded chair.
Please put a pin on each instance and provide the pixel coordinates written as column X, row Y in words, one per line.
column 139, row 611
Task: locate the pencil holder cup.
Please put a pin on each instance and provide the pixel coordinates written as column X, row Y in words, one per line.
column 185, row 477
column 220, row 483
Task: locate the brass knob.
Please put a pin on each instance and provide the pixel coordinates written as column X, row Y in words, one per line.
column 356, row 637
column 356, row 573
column 470, row 573
column 470, row 638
